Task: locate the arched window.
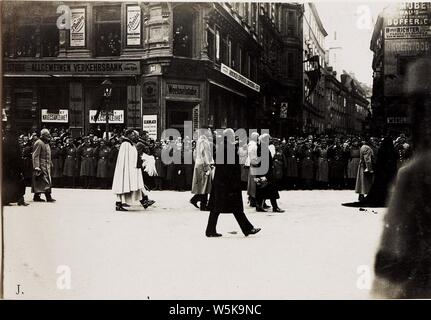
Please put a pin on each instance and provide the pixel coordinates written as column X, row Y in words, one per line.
column 183, row 31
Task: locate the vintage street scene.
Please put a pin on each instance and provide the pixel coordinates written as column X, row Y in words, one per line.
column 216, row 150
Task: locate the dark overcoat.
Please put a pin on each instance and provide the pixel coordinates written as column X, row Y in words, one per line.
column 270, row 190
column 42, row 159
column 13, row 186
column 226, row 196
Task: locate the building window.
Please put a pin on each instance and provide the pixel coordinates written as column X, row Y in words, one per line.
column 290, row 64
column 211, row 44
column 234, row 56
column 291, row 24
column 184, row 20
column 224, row 51
column 49, row 34
column 26, row 44
column 108, row 30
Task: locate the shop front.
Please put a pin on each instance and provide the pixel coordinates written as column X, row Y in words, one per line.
column 67, row 94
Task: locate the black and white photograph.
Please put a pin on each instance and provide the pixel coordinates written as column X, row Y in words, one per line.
column 215, row 151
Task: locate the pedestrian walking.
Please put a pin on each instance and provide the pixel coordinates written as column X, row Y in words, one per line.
column 128, row 184
column 201, row 184
column 226, row 195
column 42, row 165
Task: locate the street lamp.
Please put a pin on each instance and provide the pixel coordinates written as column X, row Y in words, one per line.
column 107, row 93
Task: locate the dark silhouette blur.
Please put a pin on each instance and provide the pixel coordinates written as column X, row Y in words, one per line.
column 403, row 260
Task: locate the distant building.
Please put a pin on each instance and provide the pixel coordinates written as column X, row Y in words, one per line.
column 401, row 35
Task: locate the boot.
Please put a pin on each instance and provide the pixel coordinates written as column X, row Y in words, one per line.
column 259, row 206
column 37, row 198
column 194, row 201
column 204, row 202
column 48, row 197
column 119, row 207
column 21, row 202
column 145, row 202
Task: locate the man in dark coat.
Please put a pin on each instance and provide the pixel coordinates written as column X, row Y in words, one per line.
column 13, row 184
column 42, row 165
column 270, row 190
column 226, row 196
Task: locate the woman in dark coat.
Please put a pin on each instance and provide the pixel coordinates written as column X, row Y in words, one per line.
column 226, row 196
column 385, row 172
column 13, row 185
column 70, row 167
column 269, row 191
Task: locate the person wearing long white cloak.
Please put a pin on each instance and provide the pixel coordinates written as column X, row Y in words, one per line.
column 128, row 184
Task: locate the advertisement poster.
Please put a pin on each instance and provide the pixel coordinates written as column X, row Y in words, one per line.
column 133, row 25
column 61, row 116
column 116, row 116
column 149, row 124
column 77, row 28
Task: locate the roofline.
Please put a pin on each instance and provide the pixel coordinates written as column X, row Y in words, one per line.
column 316, row 15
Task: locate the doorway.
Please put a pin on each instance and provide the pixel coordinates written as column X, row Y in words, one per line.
column 177, row 112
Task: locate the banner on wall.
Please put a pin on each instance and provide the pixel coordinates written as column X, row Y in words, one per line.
column 115, row 116
column 60, row 116
column 77, row 28
column 149, row 124
column 133, row 25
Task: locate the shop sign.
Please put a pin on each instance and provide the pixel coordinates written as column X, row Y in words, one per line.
column 77, row 28
column 61, row 115
column 72, row 67
column 195, row 117
column 239, row 77
column 397, row 120
column 133, row 25
column 407, row 32
column 183, row 90
column 115, row 116
column 149, row 124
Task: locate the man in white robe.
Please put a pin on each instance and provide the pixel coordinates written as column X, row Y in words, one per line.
column 128, row 184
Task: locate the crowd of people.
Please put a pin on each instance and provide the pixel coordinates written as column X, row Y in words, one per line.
column 298, row 162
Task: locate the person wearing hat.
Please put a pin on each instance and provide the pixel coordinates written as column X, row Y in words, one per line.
column 403, row 260
column 70, row 166
column 128, row 184
column 102, row 158
column 226, row 193
column 365, row 175
column 42, row 166
column 269, row 189
column 291, row 163
column 87, row 169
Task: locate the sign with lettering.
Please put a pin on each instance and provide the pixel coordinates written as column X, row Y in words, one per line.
column 72, row 67
column 195, row 116
column 407, row 20
column 77, row 27
column 133, row 25
column 239, row 77
column 397, row 120
column 61, row 115
column 183, row 90
column 149, row 124
column 115, row 116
